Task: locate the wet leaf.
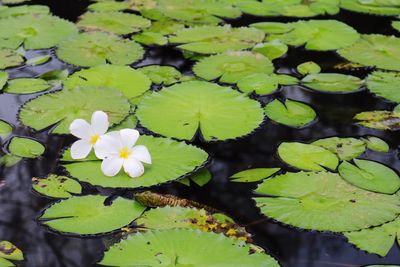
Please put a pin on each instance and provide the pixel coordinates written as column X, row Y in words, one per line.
column 56, row 186
column 166, row 75
column 379, row 119
column 323, row 201
column 10, row 251
column 263, row 84
column 9, row 58
column 23, row 10
column 309, row 67
column 332, row 82
column 377, row 7
column 385, row 84
column 25, row 147
column 253, row 175
column 377, row 144
column 271, row 50
column 5, row 129
column 219, row 112
column 201, row 178
column 3, row 79
column 6, row 263
column 26, row 86
column 38, row 60
column 345, row 148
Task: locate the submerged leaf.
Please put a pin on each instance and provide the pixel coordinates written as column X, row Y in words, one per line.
column 56, row 186
column 345, row 148
column 385, row 84
column 25, row 147
column 253, row 175
column 332, row 82
column 26, row 86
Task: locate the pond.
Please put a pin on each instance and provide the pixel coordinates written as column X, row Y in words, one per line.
column 300, row 204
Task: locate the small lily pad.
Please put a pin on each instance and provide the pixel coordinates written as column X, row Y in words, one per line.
column 377, row 144
column 332, row 82
column 200, row 178
column 26, row 86
column 272, row 50
column 263, row 84
column 309, row 67
column 38, row 60
column 25, row 147
column 10, row 58
column 5, row 129
column 9, row 160
column 10, row 251
column 379, row 119
column 56, row 186
column 166, row 75
column 385, row 84
column 345, row 148
column 253, row 175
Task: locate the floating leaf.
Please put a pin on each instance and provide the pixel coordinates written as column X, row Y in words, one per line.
column 263, row 84
column 3, row 79
column 377, row 7
column 219, row 113
column 62, row 107
column 271, row 50
column 379, row 119
column 26, row 86
column 291, row 113
column 9, row 160
column 216, row 39
column 170, row 160
column 98, row 48
column 170, row 247
column 55, row 77
column 162, row 74
column 10, row 251
column 34, row 31
column 129, row 122
column 12, row 2
column 253, row 175
column 332, row 82
column 56, row 186
column 25, row 147
column 376, row 50
column 158, row 32
column 396, row 25
column 23, row 10
column 88, row 215
column 106, row 6
column 307, row 157
column 385, row 84
column 377, row 144
column 323, row 201
column 38, row 60
column 6, row 263
column 200, row 178
column 309, row 67
column 370, row 175
column 10, row 58
column 5, row 129
column 130, row 82
column 344, row 148
column 230, row 67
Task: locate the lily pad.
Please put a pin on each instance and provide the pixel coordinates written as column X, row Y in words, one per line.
column 272, row 50
column 307, row 157
column 291, row 113
column 375, row 50
column 370, row 175
column 309, row 67
column 129, row 122
column 377, row 7
column 323, row 201
column 332, row 82
column 34, row 31
column 62, row 107
column 26, row 86
column 377, row 144
column 5, row 129
column 23, row 10
column 56, row 186
column 89, row 215
column 166, row 75
column 38, row 60
column 10, row 58
column 263, row 84
column 98, row 48
column 128, row 81
column 379, row 119
column 216, row 39
column 385, row 84
column 230, row 67
column 396, row 24
column 200, row 178
column 170, row 160
column 25, row 147
column 113, row 22
column 253, row 175
column 107, row 6
column 158, row 32
column 171, row 248
column 3, row 79
column 10, row 251
column 345, row 148
column 220, row 113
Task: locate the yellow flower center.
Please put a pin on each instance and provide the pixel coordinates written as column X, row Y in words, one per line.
column 124, row 153
column 93, row 139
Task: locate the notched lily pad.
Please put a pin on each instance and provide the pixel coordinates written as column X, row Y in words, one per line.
column 253, row 175
column 26, row 86
column 56, row 186
column 332, row 82
column 263, row 84
column 345, row 148
column 25, row 147
column 272, row 50
column 309, row 67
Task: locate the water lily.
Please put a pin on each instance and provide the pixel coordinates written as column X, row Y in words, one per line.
column 88, row 133
column 118, row 150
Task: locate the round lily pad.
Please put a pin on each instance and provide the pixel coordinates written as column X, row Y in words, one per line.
column 230, row 67
column 376, row 144
column 130, row 82
column 309, row 67
column 219, row 113
column 377, row 7
column 162, row 74
column 307, row 157
column 62, row 107
column 370, row 175
column 26, row 86
column 385, row 84
column 332, row 82
column 170, row 247
column 98, row 48
column 5, row 129
column 376, row 50
column 89, row 215
column 25, row 147
column 106, row 6
column 253, row 175
column 263, row 84
column 271, row 50
column 323, row 201
column 56, row 186
column 10, row 58
column 345, row 148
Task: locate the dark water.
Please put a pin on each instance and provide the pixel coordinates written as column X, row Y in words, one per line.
column 19, row 206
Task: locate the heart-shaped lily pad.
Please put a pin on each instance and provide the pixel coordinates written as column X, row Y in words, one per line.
column 263, row 84
column 166, row 75
column 25, row 147
column 309, row 67
column 345, row 148
column 26, row 86
column 56, row 186
column 385, row 84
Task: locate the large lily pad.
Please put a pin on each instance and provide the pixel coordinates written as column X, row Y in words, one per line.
column 10, row 58
column 324, row 201
column 378, row 7
column 88, row 215
column 345, row 148
column 62, row 107
column 56, row 186
column 170, row 160
column 230, row 67
column 385, row 84
column 25, row 147
column 97, row 48
column 26, row 86
column 170, row 247
column 379, row 119
column 332, row 82
column 219, row 113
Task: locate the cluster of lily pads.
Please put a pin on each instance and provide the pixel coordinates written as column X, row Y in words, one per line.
column 233, row 69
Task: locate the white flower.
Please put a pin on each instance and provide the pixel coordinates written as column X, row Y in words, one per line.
column 117, row 149
column 89, row 134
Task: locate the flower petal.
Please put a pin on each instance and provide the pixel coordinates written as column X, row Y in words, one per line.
column 129, row 137
column 100, row 122
column 81, row 129
column 80, row 149
column 107, row 146
column 133, row 167
column 111, row 166
column 142, row 154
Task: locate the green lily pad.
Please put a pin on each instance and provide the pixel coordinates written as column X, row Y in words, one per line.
column 291, row 113
column 129, row 122
column 200, row 178
column 10, row 251
column 396, row 24
column 158, row 32
column 307, row 157
column 220, row 113
column 3, row 79
column 377, row 144
column 26, row 86
column 253, row 175
column 230, row 67
column 323, row 201
column 379, row 119
column 56, row 186
column 55, row 77
column 166, row 75
column 107, row 6
column 345, row 148
column 25, row 147
column 332, row 82
column 130, row 82
column 272, row 50
column 10, row 58
column 216, row 39
column 38, row 60
column 62, row 107
column 6, row 263
column 309, row 67
column 98, row 48
column 23, row 10
column 171, row 248
column 113, row 22
column 5, row 129
column 9, row 160
column 170, row 160
column 378, row 240
column 377, row 7
column 263, row 84
column 374, row 50
column 370, row 175
column 385, row 84
column 34, row 31
column 89, row 215
column 13, row 2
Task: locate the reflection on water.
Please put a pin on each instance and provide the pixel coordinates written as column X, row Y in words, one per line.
column 19, row 206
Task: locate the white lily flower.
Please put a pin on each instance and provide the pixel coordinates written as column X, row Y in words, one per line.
column 89, row 134
column 117, row 149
